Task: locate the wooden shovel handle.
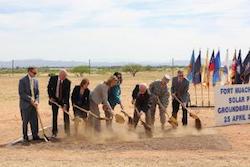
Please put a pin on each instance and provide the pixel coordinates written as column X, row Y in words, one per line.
column 53, row 102
column 91, row 113
column 190, row 113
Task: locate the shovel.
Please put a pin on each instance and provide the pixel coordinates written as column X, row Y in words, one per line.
column 146, row 126
column 194, row 116
column 118, row 118
column 91, row 113
column 75, row 119
column 46, row 139
column 130, row 119
column 171, row 120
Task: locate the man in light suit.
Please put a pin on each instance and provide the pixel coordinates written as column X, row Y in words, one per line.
column 59, row 91
column 180, row 86
column 29, row 99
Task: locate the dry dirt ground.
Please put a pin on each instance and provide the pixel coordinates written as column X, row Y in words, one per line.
column 221, row 146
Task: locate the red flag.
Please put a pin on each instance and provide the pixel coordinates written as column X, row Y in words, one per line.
column 211, row 63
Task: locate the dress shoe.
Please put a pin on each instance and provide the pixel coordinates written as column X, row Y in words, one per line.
column 54, row 135
column 26, row 142
column 37, row 138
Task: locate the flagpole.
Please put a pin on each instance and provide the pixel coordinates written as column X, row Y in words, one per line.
column 208, row 88
column 172, row 67
column 195, row 95
column 202, row 103
column 208, row 93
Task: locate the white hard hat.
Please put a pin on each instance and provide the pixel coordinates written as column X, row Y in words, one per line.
column 167, row 77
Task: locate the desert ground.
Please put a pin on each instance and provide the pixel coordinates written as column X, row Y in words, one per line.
column 212, row 146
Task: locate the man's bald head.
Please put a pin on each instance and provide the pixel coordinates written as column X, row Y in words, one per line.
column 143, row 88
column 63, row 74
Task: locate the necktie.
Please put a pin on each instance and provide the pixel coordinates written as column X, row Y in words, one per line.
column 60, row 90
column 32, row 88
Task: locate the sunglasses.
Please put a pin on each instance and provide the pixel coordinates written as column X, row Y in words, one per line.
column 33, row 72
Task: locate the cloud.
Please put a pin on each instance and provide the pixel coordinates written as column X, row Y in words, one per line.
column 152, row 30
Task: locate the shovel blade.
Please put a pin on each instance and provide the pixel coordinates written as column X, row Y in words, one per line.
column 173, row 124
column 198, row 125
column 146, row 126
column 119, row 119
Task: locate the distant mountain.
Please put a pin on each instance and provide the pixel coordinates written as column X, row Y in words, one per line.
column 50, row 63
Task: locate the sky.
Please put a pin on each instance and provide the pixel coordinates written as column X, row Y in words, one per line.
column 121, row 30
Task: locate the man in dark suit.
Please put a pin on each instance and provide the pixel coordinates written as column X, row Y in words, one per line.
column 142, row 100
column 29, row 99
column 59, row 91
column 180, row 86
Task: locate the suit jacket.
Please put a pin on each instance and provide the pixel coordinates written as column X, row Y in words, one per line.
column 180, row 89
column 143, row 102
column 81, row 101
column 24, row 90
column 65, row 90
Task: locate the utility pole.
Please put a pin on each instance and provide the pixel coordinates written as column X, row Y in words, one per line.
column 89, row 66
column 172, row 67
column 12, row 67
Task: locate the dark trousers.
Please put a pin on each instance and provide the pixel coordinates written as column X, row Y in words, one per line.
column 29, row 115
column 137, row 118
column 54, row 120
column 176, row 107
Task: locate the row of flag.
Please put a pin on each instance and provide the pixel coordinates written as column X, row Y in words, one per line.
column 237, row 72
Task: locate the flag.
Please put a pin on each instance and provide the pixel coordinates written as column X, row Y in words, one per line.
column 224, row 79
column 205, row 73
column 246, row 60
column 246, row 75
column 211, row 63
column 191, row 68
column 246, row 67
column 197, row 70
column 216, row 73
column 233, row 68
column 239, row 69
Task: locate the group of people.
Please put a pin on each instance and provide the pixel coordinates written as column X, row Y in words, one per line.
column 108, row 94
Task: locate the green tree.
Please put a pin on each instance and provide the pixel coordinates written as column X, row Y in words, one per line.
column 80, row 70
column 132, row 69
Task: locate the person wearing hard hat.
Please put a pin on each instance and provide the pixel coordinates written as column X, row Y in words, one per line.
column 160, row 94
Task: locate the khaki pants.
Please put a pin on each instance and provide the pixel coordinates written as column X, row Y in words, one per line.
column 93, row 122
column 108, row 122
column 161, row 111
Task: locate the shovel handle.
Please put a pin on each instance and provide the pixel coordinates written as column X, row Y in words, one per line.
column 138, row 114
column 40, row 120
column 191, row 113
column 53, row 102
column 89, row 112
column 161, row 105
column 176, row 98
column 126, row 114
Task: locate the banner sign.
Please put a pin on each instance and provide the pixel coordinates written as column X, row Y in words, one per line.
column 232, row 104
